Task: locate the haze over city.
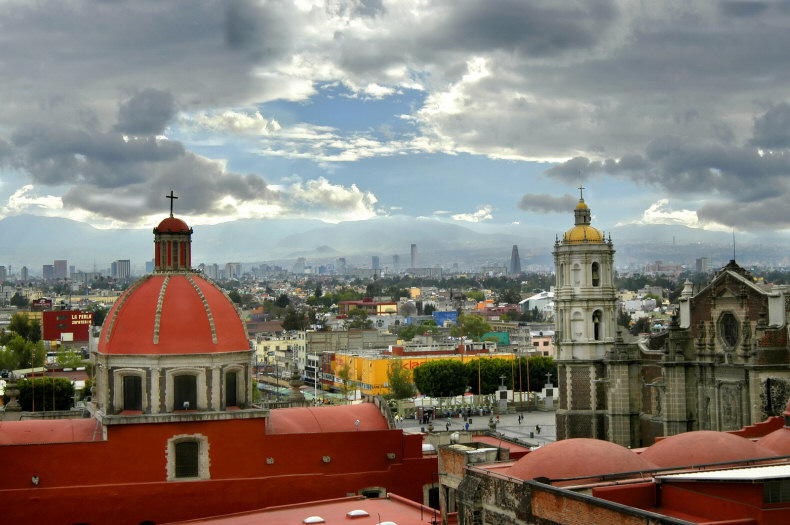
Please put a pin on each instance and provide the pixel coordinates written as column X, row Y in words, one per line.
column 281, row 118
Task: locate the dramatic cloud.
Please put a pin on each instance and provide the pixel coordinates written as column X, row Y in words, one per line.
column 146, row 113
column 232, row 122
column 545, row 203
column 483, row 213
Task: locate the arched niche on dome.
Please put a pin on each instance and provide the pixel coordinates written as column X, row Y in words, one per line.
column 185, row 384
column 129, row 386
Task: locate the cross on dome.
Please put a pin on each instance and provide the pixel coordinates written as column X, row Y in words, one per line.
column 172, row 197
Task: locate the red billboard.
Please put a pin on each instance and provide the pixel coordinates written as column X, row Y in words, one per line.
column 67, row 325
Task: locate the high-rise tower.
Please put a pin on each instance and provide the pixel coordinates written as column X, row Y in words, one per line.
column 414, row 260
column 515, row 261
column 585, row 305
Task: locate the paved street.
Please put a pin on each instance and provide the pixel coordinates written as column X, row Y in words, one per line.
column 508, row 425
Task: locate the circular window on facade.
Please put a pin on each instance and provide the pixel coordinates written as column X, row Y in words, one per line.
column 728, row 328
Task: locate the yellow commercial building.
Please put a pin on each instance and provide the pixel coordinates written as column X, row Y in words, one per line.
column 369, row 373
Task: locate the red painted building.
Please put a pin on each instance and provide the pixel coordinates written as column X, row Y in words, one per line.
column 66, row 325
column 174, row 433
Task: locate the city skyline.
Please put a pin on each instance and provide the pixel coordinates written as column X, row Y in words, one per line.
column 488, row 115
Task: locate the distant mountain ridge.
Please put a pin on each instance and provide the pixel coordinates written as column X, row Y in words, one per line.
column 33, row 241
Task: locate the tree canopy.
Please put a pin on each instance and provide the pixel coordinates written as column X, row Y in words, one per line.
column 441, row 378
column 472, row 326
column 399, row 379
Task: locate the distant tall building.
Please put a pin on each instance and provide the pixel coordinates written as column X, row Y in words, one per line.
column 23, row 274
column 123, row 269
column 61, row 269
column 341, row 266
column 515, row 261
column 48, row 272
column 396, row 263
column 149, row 266
column 414, row 260
column 3, row 274
column 374, row 262
column 703, row 264
column 233, row 270
column 299, row 265
column 212, row 271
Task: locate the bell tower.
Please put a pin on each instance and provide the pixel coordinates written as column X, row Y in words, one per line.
column 586, row 316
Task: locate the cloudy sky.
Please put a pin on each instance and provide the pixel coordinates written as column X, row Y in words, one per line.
column 487, row 113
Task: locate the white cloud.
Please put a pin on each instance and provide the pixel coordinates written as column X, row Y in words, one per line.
column 660, row 212
column 483, row 213
column 320, row 199
column 230, row 121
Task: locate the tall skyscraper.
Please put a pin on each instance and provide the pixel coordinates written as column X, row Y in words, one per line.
column 123, row 269
column 515, row 261
column 396, row 263
column 23, row 274
column 374, row 262
column 61, row 269
column 48, row 272
column 414, row 260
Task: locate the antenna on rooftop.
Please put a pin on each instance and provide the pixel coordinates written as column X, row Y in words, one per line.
column 733, row 244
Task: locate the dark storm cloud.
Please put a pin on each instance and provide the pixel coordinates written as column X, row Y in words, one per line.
column 261, row 30
column 772, row 129
column 201, row 185
column 768, row 214
column 579, row 169
column 146, row 113
column 54, row 154
column 545, row 203
column 743, row 8
column 531, row 28
column 369, row 8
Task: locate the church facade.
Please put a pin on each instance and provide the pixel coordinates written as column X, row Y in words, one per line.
column 723, row 364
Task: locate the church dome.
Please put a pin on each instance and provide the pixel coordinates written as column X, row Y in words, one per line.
column 576, row 458
column 582, row 234
column 172, row 225
column 173, row 313
column 777, row 441
column 703, row 447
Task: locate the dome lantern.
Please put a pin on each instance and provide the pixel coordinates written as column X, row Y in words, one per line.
column 172, row 243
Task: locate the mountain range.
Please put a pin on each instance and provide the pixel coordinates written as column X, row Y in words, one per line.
column 28, row 240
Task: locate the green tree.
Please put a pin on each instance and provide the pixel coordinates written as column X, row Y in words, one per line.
column 472, row 326
column 282, row 301
column 510, row 296
column 68, row 358
column 318, row 291
column 345, row 376
column 536, row 368
column 235, row 296
column 429, row 309
column 358, row 318
column 486, row 373
column 441, row 378
column 399, row 379
column 19, row 301
column 43, row 389
column 408, row 332
column 294, row 320
column 640, row 326
column 623, row 318
column 477, row 295
column 26, row 354
column 21, row 325
column 99, row 314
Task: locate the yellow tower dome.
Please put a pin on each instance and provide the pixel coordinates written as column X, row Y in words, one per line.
column 582, row 232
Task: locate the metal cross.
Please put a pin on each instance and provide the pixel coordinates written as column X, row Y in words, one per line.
column 548, row 378
column 172, row 198
column 581, row 192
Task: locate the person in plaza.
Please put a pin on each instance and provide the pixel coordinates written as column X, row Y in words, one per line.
column 537, row 429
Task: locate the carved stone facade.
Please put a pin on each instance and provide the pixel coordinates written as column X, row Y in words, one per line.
column 723, row 363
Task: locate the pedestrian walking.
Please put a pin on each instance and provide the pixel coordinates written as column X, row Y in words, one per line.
column 447, row 426
column 467, row 426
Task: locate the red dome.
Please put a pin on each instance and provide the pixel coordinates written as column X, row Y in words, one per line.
column 172, row 225
column 703, row 447
column 341, row 418
column 777, row 442
column 578, row 457
column 176, row 313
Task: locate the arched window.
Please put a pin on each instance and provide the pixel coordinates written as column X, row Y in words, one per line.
column 596, row 320
column 596, row 274
column 132, row 392
column 185, row 392
column 230, row 389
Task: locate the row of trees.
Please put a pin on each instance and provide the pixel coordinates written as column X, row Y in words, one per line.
column 447, row 378
column 48, row 393
column 21, row 345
